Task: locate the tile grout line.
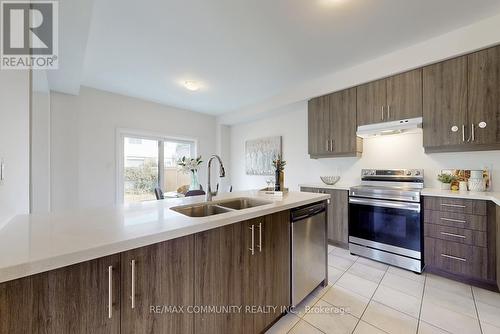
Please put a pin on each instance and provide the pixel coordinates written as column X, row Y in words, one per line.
column 371, row 298
column 475, row 307
column 421, row 304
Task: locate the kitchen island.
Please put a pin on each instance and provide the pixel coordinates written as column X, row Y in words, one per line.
column 147, row 268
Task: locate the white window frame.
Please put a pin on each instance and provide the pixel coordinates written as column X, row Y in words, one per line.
column 121, row 133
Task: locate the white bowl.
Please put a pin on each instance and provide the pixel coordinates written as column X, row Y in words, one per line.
column 330, row 180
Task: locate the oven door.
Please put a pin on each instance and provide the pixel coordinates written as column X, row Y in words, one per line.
column 386, row 225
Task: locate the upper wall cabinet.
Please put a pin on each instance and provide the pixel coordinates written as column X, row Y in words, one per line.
column 462, row 103
column 332, row 125
column 395, row 98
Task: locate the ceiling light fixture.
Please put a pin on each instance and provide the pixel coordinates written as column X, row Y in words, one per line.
column 191, row 85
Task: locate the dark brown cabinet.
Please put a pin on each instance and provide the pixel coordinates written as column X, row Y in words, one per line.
column 338, row 210
column 391, row 99
column 247, row 265
column 153, row 277
column 332, row 125
column 445, row 103
column 462, row 103
column 82, row 298
column 484, row 98
column 460, row 239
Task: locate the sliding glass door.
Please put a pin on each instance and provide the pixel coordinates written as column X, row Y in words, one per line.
column 148, row 163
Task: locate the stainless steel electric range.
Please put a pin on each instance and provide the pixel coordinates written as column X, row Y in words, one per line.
column 385, row 222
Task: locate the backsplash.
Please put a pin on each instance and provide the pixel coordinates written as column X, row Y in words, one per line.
column 394, row 151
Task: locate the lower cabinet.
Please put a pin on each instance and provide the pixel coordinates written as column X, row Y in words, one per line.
column 460, row 239
column 155, row 277
column 82, row 298
column 338, row 210
column 245, row 266
column 233, row 279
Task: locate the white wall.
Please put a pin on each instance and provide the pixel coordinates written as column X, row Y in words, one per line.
column 14, row 142
column 397, row 151
column 40, row 143
column 83, row 157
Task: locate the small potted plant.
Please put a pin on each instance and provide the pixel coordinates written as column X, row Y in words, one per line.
column 190, row 165
column 279, row 165
column 446, row 180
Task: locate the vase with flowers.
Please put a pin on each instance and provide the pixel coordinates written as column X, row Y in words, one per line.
column 190, row 166
column 279, row 166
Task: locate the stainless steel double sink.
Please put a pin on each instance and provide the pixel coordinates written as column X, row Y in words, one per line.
column 217, row 207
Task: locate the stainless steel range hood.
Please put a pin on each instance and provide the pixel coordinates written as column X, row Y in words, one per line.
column 389, row 128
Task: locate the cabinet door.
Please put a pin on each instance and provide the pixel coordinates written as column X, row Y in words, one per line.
column 404, row 96
column 319, row 125
column 484, row 96
column 78, row 297
column 343, row 122
column 223, row 276
column 271, row 283
column 371, row 101
column 163, row 276
column 21, row 302
column 338, row 228
column 445, row 103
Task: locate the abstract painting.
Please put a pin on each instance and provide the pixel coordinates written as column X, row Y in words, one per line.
column 260, row 153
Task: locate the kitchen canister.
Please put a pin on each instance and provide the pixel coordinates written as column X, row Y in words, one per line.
column 477, row 184
column 476, row 174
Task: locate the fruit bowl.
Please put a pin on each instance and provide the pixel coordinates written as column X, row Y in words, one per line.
column 330, row 180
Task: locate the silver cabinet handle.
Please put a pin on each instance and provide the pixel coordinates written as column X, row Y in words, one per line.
column 132, row 297
column 454, row 257
column 110, row 292
column 383, row 115
column 453, row 205
column 454, row 220
column 463, row 133
column 260, row 237
column 252, row 249
column 473, row 134
column 454, row 235
column 388, row 112
column 328, row 145
column 331, row 143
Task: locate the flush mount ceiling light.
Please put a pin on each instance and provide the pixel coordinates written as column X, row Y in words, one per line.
column 331, row 2
column 191, row 85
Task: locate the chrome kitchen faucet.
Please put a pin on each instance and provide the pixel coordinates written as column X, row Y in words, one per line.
column 222, row 173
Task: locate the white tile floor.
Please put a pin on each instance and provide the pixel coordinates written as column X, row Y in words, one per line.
column 382, row 299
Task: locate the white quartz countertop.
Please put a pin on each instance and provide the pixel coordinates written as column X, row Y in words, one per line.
column 487, row 196
column 326, row 186
column 31, row 244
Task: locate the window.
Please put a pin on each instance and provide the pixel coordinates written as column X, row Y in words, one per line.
column 149, row 162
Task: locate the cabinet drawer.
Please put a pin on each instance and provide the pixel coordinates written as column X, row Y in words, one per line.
column 456, row 258
column 458, row 205
column 459, row 235
column 458, row 220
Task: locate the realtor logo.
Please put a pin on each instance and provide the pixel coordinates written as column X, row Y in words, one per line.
column 29, row 36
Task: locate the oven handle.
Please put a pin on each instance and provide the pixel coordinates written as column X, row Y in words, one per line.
column 386, row 204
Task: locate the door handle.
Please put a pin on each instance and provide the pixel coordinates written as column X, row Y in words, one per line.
column 463, row 133
column 331, row 145
column 327, row 145
column 110, row 292
column 252, row 249
column 260, row 237
column 132, row 297
column 388, row 112
column 383, row 115
column 473, row 134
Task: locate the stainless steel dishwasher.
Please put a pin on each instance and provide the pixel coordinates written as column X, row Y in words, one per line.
column 309, row 250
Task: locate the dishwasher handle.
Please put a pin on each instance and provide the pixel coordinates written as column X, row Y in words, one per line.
column 308, row 211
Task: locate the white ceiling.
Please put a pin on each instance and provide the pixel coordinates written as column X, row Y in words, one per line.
column 245, row 51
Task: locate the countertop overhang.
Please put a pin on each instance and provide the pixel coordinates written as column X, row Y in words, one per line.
column 31, row 244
